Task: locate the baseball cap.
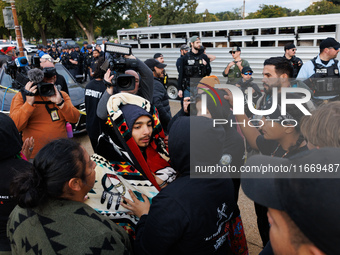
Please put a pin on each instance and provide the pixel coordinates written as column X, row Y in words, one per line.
column 158, row 55
column 307, row 198
column 76, row 46
column 289, row 46
column 185, row 47
column 89, row 47
column 246, row 69
column 235, row 48
column 329, row 43
column 47, row 57
column 151, row 63
column 193, row 38
column 85, row 42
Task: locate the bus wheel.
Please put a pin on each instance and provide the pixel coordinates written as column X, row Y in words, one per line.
column 172, row 90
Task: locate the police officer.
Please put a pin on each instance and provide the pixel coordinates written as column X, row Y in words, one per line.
column 64, row 57
column 84, row 48
column 73, row 61
column 195, row 64
column 88, row 57
column 80, row 59
column 94, row 61
column 290, row 51
column 322, row 72
column 159, row 57
column 54, row 53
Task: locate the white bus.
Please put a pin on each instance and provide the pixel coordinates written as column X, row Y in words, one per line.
column 259, row 39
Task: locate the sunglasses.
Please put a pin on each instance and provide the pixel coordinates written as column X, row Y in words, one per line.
column 233, row 52
column 248, row 73
column 335, row 48
column 293, row 49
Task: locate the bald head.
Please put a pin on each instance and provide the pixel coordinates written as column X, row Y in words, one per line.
column 46, row 63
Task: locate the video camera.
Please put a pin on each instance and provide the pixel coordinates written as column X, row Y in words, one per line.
column 114, row 54
column 21, row 73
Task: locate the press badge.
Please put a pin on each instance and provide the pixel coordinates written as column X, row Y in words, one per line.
column 54, row 115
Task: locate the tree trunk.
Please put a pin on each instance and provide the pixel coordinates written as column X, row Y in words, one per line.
column 43, row 34
column 88, row 31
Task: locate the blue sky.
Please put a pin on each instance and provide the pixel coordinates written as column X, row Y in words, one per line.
column 251, row 5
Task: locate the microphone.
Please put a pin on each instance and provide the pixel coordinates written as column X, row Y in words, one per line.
column 21, row 62
column 35, row 75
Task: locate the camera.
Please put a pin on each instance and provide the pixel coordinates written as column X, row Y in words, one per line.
column 114, row 59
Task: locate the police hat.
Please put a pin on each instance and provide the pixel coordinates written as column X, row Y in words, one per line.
column 76, row 46
column 329, row 43
column 70, row 46
column 85, row 42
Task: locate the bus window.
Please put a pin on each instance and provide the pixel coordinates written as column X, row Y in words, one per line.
column 232, row 44
column 286, row 30
column 178, row 45
column 305, row 43
column 143, row 36
column 167, row 35
column 208, row 45
column 267, row 43
column 134, row 46
column 252, row 44
column 251, row 31
column 306, row 29
column 221, row 33
column 207, row 33
column 221, row 44
column 194, row 33
column 154, row 45
column 180, row 35
column 268, row 31
column 326, row 28
column 283, row 43
column 154, row 36
column 133, row 37
column 166, row 45
column 235, row 33
column 144, row 46
column 123, row 38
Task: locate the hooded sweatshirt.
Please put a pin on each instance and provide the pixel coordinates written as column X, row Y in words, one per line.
column 190, row 215
column 10, row 162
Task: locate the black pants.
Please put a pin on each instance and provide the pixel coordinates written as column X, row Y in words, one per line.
column 262, row 222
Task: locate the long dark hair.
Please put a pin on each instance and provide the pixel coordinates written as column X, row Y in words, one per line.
column 98, row 72
column 54, row 165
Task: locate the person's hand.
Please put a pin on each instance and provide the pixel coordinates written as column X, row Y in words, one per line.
column 29, row 87
column 180, row 93
column 27, row 147
column 130, row 56
column 108, row 78
column 228, row 97
column 166, row 141
column 186, row 102
column 231, row 64
column 238, row 85
column 56, row 98
column 136, row 207
column 204, row 62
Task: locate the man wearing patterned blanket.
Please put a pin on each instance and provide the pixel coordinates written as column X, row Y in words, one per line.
column 132, row 155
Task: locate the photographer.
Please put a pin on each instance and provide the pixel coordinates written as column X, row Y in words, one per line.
column 40, row 110
column 143, row 85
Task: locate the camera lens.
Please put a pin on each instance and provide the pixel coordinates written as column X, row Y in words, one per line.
column 124, row 82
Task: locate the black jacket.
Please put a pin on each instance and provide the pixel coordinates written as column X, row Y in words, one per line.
column 249, row 83
column 11, row 143
column 161, row 102
column 183, row 63
column 191, row 215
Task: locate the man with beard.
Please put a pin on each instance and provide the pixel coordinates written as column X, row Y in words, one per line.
column 195, row 64
column 234, row 68
column 160, row 97
column 290, row 51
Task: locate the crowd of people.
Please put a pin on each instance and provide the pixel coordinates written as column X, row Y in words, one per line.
column 140, row 192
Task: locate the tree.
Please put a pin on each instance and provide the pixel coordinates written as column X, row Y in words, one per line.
column 88, row 13
column 323, row 7
column 269, row 11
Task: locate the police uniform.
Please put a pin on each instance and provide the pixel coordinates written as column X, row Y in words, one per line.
column 191, row 66
column 73, row 68
column 296, row 64
column 88, row 57
column 93, row 64
column 80, row 60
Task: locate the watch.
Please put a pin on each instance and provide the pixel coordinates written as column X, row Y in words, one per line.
column 61, row 103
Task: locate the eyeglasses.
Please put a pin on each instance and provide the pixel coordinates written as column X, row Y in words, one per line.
column 248, row 73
